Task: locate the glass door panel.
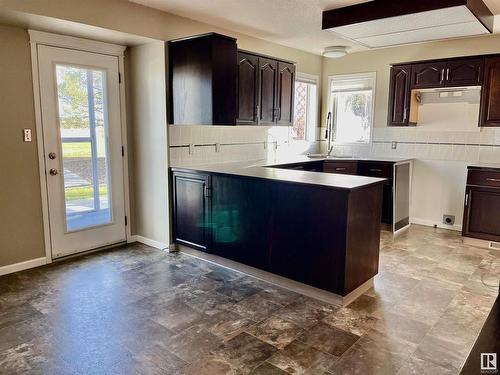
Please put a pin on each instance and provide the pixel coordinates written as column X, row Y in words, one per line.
column 83, row 125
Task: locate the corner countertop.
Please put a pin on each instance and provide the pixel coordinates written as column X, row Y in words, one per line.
column 267, row 169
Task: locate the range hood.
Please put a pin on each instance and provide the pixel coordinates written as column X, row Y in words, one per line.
column 385, row 23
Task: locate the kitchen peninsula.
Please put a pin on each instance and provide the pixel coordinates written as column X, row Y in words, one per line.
column 319, row 229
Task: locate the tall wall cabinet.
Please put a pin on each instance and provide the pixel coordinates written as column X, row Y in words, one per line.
column 214, row 83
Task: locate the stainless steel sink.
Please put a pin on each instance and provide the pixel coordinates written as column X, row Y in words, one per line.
column 339, row 157
column 317, row 156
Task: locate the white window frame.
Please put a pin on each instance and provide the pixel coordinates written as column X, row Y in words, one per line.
column 310, row 131
column 368, row 75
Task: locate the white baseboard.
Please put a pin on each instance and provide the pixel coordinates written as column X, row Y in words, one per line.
column 32, row 263
column 430, row 223
column 149, row 242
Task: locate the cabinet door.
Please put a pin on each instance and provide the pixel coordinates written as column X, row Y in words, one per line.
column 464, row 72
column 490, row 95
column 399, row 95
column 268, row 82
column 191, row 206
column 240, row 219
column 286, row 91
column 340, row 167
column 428, row 75
column 248, row 88
column 482, row 206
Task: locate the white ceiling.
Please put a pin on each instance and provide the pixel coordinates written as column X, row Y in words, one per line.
column 293, row 23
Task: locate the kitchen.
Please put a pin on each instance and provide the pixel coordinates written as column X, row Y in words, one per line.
column 318, row 200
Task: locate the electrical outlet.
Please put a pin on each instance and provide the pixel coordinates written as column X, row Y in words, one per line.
column 394, row 145
column 27, row 135
column 449, row 219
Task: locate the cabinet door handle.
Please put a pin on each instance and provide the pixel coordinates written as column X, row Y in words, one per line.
column 340, row 169
column 467, row 199
column 493, row 179
column 442, row 75
column 375, row 170
column 447, row 74
column 207, row 191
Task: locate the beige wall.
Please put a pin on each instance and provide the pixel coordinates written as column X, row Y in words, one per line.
column 20, row 204
column 121, row 15
column 445, row 141
column 21, row 230
column 379, row 61
column 146, row 94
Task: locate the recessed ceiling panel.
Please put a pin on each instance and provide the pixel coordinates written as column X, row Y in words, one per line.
column 424, row 35
column 446, row 16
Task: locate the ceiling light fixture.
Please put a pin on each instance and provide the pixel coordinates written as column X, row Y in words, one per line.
column 335, row 52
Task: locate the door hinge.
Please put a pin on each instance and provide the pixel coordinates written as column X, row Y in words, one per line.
column 119, row 77
column 123, row 151
column 126, row 222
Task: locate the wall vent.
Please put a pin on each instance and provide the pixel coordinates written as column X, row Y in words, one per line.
column 494, row 245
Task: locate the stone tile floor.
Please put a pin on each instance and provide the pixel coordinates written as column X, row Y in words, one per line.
column 137, row 310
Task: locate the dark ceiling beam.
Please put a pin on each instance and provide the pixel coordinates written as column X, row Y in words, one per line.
column 379, row 9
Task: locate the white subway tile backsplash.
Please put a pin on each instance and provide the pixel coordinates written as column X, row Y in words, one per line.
column 487, row 136
column 472, row 153
column 489, row 154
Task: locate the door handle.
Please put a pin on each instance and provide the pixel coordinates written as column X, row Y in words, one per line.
column 52, row 155
column 53, row 172
column 493, row 179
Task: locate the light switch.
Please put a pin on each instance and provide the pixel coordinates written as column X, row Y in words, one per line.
column 27, row 135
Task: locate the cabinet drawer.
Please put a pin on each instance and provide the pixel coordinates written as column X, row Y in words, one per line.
column 375, row 169
column 483, row 178
column 341, row 167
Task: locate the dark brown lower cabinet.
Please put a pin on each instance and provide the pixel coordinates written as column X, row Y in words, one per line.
column 482, row 204
column 192, row 209
column 304, row 232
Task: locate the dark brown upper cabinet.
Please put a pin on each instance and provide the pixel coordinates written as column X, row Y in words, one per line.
column 266, row 90
column 453, row 73
column 286, row 93
column 248, row 83
column 464, row 72
column 202, row 80
column 399, row 95
column 428, row 75
column 490, row 95
column 268, row 80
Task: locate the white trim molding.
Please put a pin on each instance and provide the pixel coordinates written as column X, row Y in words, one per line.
column 21, row 266
column 149, row 242
column 71, row 42
column 430, row 223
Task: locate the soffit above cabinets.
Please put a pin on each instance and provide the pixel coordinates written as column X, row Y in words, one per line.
column 385, row 23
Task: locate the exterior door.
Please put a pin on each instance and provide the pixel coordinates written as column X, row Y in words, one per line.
column 79, row 94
